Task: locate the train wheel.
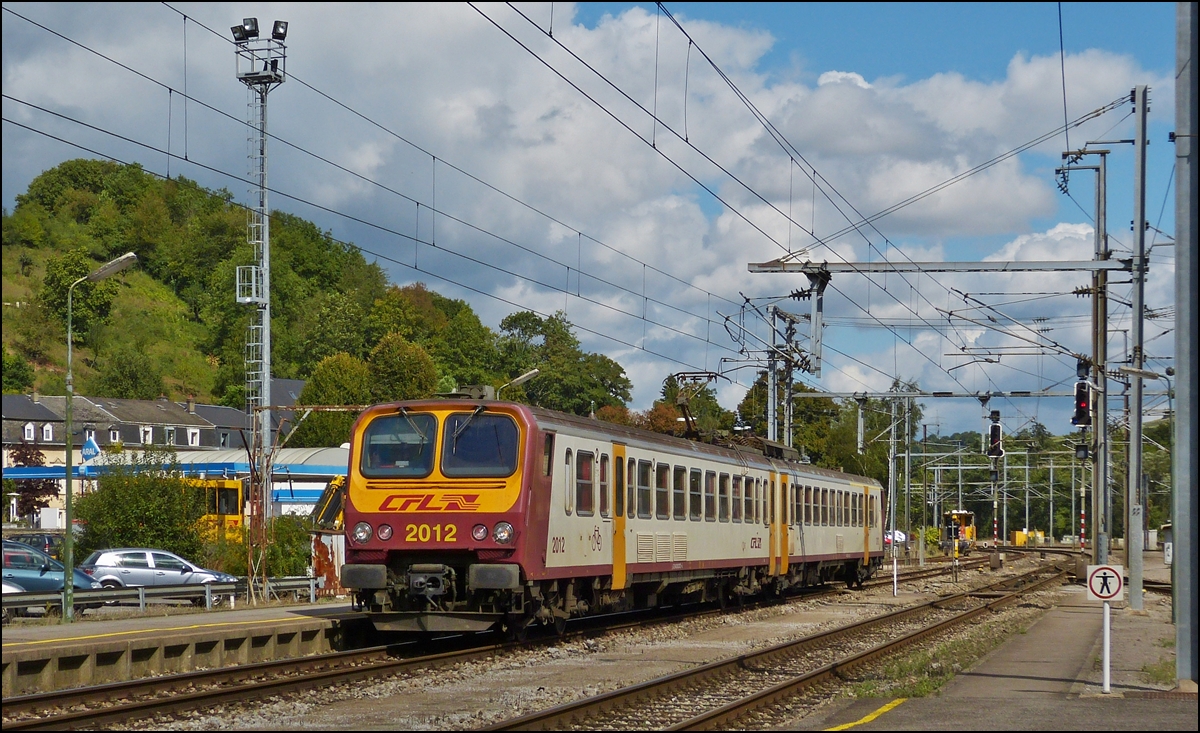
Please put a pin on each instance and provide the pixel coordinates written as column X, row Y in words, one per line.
column 722, row 597
column 560, row 625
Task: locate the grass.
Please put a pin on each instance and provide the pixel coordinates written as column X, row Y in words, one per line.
column 1160, row 673
column 1167, row 642
column 922, row 673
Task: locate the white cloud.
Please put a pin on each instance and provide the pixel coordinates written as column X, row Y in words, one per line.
column 445, row 79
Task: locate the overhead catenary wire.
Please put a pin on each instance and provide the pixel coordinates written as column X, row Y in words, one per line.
column 362, row 221
column 678, row 166
column 360, row 248
column 388, row 230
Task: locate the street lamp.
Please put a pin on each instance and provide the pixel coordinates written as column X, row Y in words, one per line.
column 106, row 270
column 519, row 380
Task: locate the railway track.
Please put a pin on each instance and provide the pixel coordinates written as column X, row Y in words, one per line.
column 717, row 695
column 139, row 699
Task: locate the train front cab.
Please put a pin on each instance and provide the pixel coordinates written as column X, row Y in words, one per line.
column 435, row 512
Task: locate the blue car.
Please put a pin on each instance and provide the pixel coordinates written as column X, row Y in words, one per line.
column 37, row 572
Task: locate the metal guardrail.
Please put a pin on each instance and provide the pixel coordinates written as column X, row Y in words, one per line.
column 210, row 592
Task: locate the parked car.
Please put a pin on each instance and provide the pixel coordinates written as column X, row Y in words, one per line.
column 130, row 567
column 48, row 542
column 901, row 538
column 35, row 571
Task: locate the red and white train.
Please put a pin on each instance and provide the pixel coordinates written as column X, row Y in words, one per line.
column 465, row 514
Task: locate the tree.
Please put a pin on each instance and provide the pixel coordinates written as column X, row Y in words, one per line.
column 128, row 374
column 143, row 503
column 340, row 379
column 90, row 301
column 34, row 493
column 571, row 380
column 401, row 370
column 18, row 375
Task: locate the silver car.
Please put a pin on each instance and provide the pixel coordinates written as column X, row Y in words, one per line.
column 131, row 567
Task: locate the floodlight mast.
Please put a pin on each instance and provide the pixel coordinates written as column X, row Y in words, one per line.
column 261, row 66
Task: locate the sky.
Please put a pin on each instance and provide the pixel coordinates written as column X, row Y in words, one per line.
column 625, row 164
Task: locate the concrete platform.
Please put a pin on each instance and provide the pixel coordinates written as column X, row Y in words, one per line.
column 51, row 657
column 1048, row 678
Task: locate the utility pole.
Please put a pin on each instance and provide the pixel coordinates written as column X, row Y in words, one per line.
column 1051, row 534
column 1187, row 285
column 1133, row 501
column 1099, row 357
column 772, row 387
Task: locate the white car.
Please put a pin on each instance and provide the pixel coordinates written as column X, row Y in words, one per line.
column 900, row 538
column 11, row 588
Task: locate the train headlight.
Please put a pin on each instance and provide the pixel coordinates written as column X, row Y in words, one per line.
column 362, row 533
column 385, row 532
column 502, row 533
column 479, row 532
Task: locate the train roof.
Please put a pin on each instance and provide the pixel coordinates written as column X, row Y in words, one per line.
column 638, row 436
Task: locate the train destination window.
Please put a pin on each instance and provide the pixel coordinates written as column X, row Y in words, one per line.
column 643, row 489
column 737, row 498
column 604, row 484
column 585, row 485
column 662, row 491
column 568, row 495
column 479, row 444
column 680, row 491
column 399, row 446
column 694, row 501
column 723, row 498
column 710, row 496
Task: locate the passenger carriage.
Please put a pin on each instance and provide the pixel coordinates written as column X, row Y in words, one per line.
column 467, row 514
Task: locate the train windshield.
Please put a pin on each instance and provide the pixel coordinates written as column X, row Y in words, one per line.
column 479, row 444
column 398, row 446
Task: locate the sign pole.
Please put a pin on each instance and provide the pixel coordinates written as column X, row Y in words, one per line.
column 1107, row 647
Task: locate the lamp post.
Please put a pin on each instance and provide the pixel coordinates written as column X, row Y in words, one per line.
column 105, row 270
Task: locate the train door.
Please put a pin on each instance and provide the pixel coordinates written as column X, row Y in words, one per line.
column 785, row 530
column 772, row 525
column 618, row 522
column 865, row 519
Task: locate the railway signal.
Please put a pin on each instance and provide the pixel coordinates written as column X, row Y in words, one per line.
column 1083, row 405
column 995, row 437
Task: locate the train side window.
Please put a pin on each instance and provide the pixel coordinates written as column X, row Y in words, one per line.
column 758, row 512
column 694, row 500
column 710, row 496
column 808, row 505
column 874, row 515
column 662, row 491
column 749, row 496
column 619, row 489
column 604, row 484
column 846, row 508
column 631, row 489
column 680, row 491
column 585, row 484
column 737, row 498
column 854, row 509
column 548, row 455
column 770, row 512
column 568, row 495
column 837, row 508
column 824, row 507
column 797, row 495
column 723, row 498
column 644, row 470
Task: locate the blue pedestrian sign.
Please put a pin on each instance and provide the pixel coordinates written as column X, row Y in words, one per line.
column 90, row 449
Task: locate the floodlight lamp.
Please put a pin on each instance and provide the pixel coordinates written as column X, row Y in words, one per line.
column 279, row 30
column 251, row 26
column 239, row 34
